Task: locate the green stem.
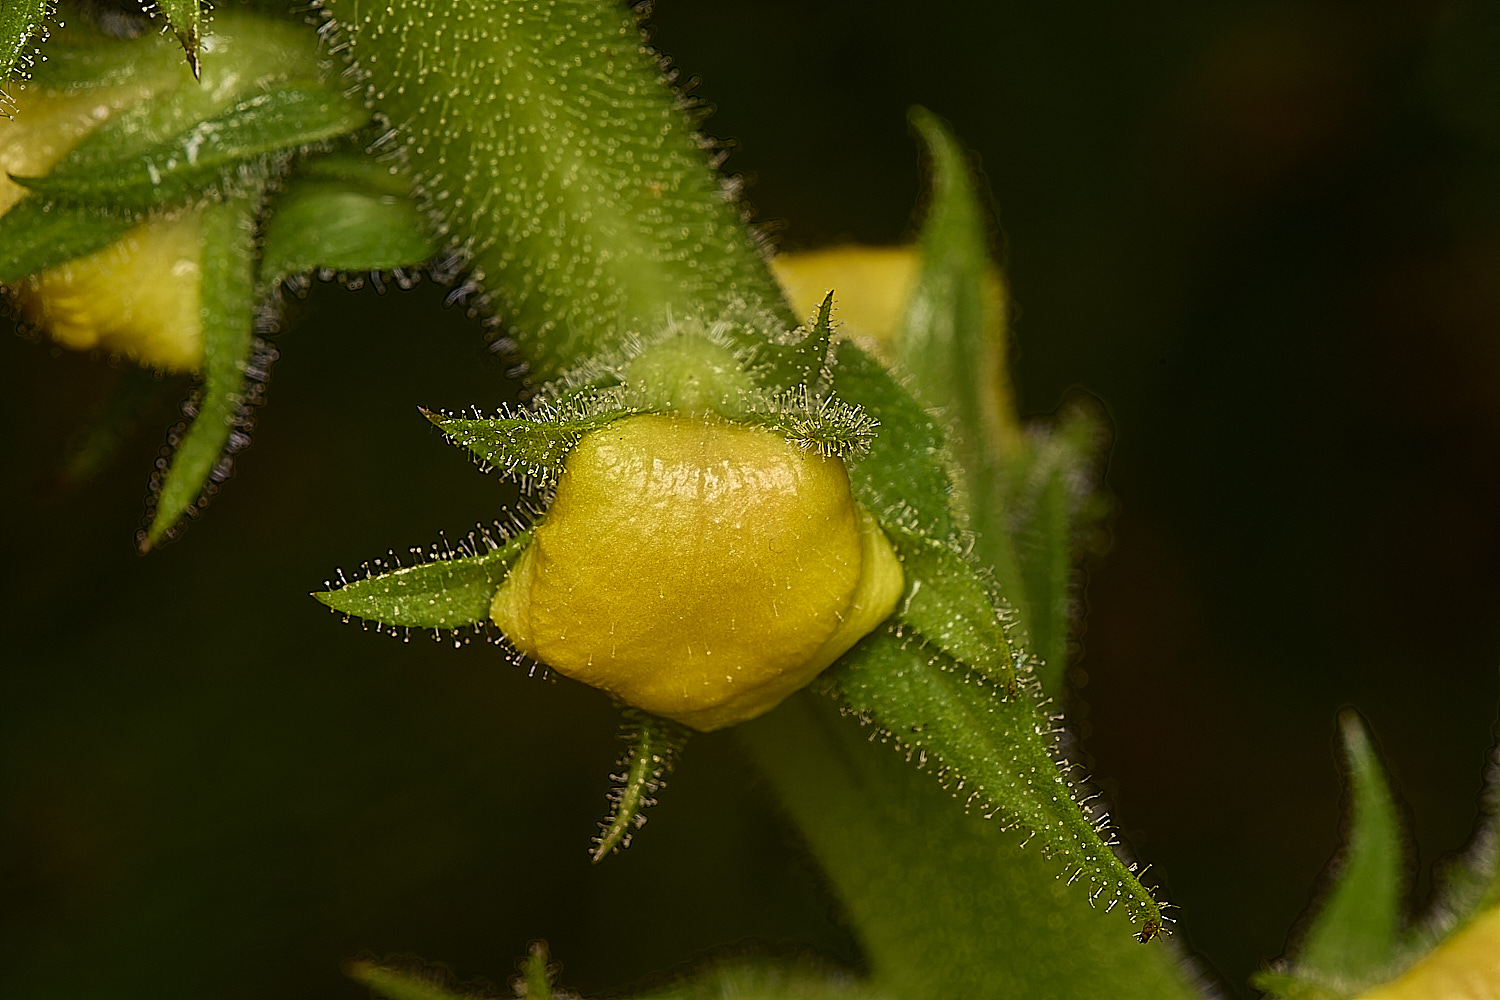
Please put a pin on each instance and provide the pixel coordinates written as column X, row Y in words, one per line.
column 543, row 145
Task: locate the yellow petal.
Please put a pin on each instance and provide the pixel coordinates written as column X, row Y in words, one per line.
column 698, row 569
column 1464, row 967
column 137, row 297
column 870, row 286
column 49, row 123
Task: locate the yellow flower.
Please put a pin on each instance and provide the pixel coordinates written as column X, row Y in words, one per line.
column 1464, row 967
column 137, row 298
column 872, row 285
column 698, row 569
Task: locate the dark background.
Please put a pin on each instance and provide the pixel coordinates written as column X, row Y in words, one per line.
column 1265, row 235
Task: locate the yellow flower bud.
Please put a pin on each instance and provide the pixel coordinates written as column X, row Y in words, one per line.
column 698, row 569
column 137, row 298
column 1464, row 967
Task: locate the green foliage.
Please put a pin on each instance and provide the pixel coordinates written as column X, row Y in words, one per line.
column 449, row 591
column 533, row 445
column 570, row 183
column 1352, row 942
column 944, row 901
column 35, row 235
column 226, row 301
column 1028, row 498
column 344, row 220
column 994, row 753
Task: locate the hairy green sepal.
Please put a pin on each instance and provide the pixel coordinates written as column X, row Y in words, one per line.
column 442, row 594
column 652, row 746
column 185, row 19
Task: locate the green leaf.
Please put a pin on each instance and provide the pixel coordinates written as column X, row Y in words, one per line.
column 653, row 746
column 1051, row 512
column 765, row 978
column 903, row 481
column 334, row 224
column 399, row 984
column 811, row 354
column 20, row 21
column 222, row 151
column 946, row 603
column 532, row 445
column 996, row 754
column 952, row 336
column 1353, row 937
column 227, row 312
column 185, row 18
column 448, row 592
column 945, row 903
column 1353, row 941
column 36, row 235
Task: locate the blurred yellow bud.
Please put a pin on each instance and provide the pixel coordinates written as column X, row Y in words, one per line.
column 137, row 298
column 698, row 569
column 49, row 123
column 1464, row 967
column 872, row 285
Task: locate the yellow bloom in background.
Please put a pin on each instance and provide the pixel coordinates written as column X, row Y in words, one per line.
column 137, row 298
column 698, row 569
column 870, row 285
column 47, row 124
column 1464, row 967
column 872, row 289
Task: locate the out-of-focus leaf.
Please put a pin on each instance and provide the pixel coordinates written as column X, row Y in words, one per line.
column 1051, row 511
column 995, row 754
column 398, row 984
column 652, row 748
column 185, row 18
column 201, row 157
column 227, row 309
column 444, row 593
column 94, row 445
column 952, row 339
column 36, row 235
column 331, row 224
column 1353, row 936
column 1352, row 942
column 765, row 979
